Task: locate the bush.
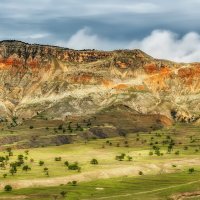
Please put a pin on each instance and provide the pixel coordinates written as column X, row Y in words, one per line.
column 41, row 163
column 13, row 170
column 191, row 170
column 63, row 193
column 129, row 158
column 58, row 158
column 26, row 168
column 140, row 173
column 60, row 127
column 151, row 153
column 66, row 163
column 177, row 153
column 8, row 188
column 4, row 175
column 94, row 162
column 73, row 166
column 121, row 157
column 45, row 169
column 74, row 183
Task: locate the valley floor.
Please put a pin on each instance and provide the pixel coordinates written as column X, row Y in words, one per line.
column 162, row 164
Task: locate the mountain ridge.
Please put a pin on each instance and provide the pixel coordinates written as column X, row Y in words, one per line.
column 58, row 82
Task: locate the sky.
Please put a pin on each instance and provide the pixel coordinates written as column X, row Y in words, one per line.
column 168, row 29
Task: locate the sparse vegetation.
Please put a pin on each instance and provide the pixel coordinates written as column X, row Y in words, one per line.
column 8, row 188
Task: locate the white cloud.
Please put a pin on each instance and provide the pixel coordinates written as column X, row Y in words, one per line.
column 38, row 36
column 85, row 39
column 160, row 44
column 167, row 45
column 66, row 8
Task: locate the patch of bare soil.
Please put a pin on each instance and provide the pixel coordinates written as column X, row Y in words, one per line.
column 16, row 197
column 186, row 195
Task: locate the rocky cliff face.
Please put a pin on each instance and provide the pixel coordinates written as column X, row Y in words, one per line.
column 57, row 82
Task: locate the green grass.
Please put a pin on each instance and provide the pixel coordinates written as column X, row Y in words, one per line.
column 135, row 145
column 105, row 150
column 143, row 187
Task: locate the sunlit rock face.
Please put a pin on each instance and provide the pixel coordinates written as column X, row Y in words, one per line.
column 60, row 82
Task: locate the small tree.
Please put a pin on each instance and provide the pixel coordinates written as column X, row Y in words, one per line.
column 8, row 188
column 63, row 193
column 45, row 169
column 26, row 168
column 191, row 170
column 177, row 153
column 13, row 170
column 129, row 158
column 121, row 157
column 73, row 166
column 66, row 163
column 60, row 127
column 150, row 153
column 94, row 162
column 74, row 183
column 26, row 152
column 58, row 159
column 41, row 163
column 4, row 175
column 140, row 173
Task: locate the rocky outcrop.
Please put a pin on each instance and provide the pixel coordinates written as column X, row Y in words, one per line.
column 58, row 82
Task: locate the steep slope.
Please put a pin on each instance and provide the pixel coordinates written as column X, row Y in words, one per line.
column 57, row 82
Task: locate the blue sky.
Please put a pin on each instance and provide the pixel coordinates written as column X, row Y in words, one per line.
column 163, row 28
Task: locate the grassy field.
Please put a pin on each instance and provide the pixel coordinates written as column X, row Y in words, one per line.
column 155, row 165
column 132, row 188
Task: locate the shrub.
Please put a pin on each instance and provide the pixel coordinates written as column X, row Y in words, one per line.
column 58, row 158
column 45, row 169
column 94, row 162
column 151, row 153
column 129, row 158
column 191, row 170
column 177, row 153
column 74, row 183
column 4, row 175
column 60, row 127
column 41, row 163
column 120, row 157
column 66, row 163
column 26, row 152
column 185, row 148
column 26, row 168
column 20, row 157
column 63, row 193
column 140, row 173
column 73, row 166
column 8, row 188
column 13, row 170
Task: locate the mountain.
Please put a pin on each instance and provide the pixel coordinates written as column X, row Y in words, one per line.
column 113, row 86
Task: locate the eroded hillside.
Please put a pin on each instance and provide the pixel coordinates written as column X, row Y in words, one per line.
column 57, row 83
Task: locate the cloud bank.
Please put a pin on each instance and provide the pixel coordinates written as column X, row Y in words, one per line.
column 114, row 24
column 159, row 44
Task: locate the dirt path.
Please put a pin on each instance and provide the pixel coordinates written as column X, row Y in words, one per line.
column 186, row 195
